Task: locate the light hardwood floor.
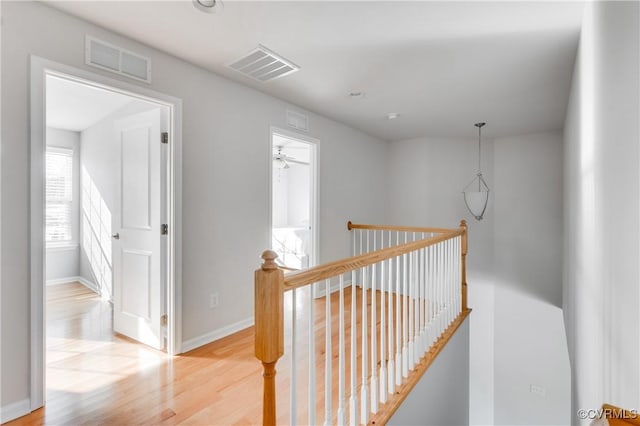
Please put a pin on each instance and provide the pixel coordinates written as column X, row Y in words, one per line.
column 95, row 377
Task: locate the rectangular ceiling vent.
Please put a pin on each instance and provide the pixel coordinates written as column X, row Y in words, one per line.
column 106, row 56
column 263, row 65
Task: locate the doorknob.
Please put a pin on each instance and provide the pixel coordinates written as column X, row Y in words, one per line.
column 116, row 236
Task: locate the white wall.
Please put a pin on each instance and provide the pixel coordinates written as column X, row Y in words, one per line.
column 602, row 188
column 291, row 190
column 63, row 261
column 280, row 200
column 530, row 348
column 225, row 201
column 426, row 178
column 514, row 263
column 299, row 191
column 441, row 396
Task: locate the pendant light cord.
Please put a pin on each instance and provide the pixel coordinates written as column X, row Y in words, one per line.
column 479, row 151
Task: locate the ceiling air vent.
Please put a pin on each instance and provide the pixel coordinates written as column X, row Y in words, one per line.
column 106, row 56
column 263, row 65
column 297, row 120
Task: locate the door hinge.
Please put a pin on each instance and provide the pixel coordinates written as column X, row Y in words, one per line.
column 164, row 229
column 164, row 319
column 164, row 138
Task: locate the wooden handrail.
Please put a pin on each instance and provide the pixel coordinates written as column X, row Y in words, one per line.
column 333, row 269
column 619, row 416
column 351, row 226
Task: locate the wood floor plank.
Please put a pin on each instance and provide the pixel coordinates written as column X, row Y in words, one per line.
column 96, row 377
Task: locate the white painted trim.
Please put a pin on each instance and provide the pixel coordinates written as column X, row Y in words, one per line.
column 15, row 410
column 314, row 162
column 82, row 280
column 40, row 68
column 218, row 334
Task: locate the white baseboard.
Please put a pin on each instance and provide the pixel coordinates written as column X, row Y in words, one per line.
column 15, row 410
column 85, row 282
column 214, row 335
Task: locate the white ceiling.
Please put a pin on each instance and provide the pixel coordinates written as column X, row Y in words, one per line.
column 441, row 65
column 73, row 106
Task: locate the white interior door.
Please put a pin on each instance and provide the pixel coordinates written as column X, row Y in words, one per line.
column 137, row 243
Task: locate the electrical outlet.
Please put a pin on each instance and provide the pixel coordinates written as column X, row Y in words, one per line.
column 213, row 300
column 538, row 390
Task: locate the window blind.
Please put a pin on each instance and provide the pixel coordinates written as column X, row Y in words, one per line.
column 59, row 194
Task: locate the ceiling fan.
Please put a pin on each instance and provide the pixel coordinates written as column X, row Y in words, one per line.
column 282, row 160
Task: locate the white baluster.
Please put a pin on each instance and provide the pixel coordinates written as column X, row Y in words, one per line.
column 391, row 364
column 341, row 364
column 399, row 262
column 405, row 293
column 383, row 332
column 312, row 357
column 420, row 298
column 364, row 387
column 452, row 284
column 423, row 304
column 429, row 304
column 456, row 279
column 293, row 404
column 445, row 271
column 459, row 269
column 327, row 354
column 353, row 398
column 410, row 298
column 374, row 325
column 441, row 291
column 427, row 284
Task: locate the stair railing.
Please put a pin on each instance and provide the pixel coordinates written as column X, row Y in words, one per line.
column 383, row 315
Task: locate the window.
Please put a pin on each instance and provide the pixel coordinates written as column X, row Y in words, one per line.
column 59, row 194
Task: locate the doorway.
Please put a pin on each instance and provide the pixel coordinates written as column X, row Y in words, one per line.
column 105, row 222
column 294, row 199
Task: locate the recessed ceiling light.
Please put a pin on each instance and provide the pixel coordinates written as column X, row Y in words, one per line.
column 356, row 95
column 209, row 6
column 392, row 115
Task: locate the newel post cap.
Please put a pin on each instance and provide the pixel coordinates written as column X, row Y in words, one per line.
column 269, row 257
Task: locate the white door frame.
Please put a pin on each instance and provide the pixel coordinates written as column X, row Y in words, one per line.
column 314, row 162
column 40, row 68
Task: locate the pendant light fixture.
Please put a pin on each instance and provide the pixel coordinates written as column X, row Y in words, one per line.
column 476, row 193
column 209, row 6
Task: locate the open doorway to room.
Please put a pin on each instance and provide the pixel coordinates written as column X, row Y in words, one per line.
column 106, row 183
column 294, row 202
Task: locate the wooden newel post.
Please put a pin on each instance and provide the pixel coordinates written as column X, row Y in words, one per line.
column 463, row 225
column 269, row 328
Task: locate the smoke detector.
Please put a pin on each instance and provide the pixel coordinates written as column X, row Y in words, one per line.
column 263, row 65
